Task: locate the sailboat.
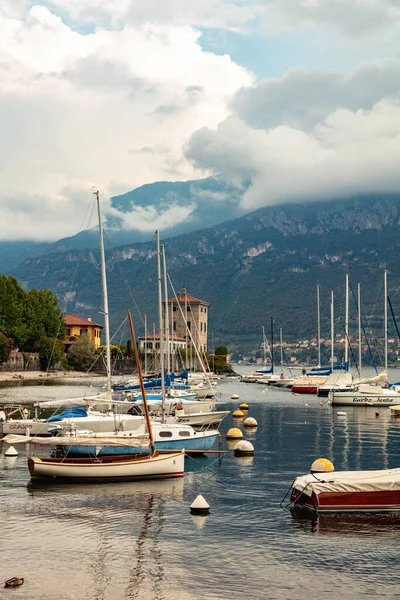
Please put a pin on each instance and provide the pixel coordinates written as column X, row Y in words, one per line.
column 367, row 392
column 96, row 468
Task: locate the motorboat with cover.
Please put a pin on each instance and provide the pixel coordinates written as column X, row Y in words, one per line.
column 347, row 491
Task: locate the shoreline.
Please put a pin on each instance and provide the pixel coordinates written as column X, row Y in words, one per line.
column 15, row 376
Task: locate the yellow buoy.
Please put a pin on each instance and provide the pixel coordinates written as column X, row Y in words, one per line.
column 234, row 397
column 320, row 403
column 250, row 422
column 234, row 434
column 244, row 406
column 322, row 465
column 237, row 414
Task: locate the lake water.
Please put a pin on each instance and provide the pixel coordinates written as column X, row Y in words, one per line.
column 138, row 540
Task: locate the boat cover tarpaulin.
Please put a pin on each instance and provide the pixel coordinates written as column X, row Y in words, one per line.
column 72, row 440
column 68, row 414
column 348, row 481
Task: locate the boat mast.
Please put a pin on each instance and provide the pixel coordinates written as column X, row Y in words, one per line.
column 385, row 318
column 161, row 328
column 332, row 329
column 359, row 326
column 264, row 354
column 346, row 326
column 280, row 334
column 105, row 295
column 166, row 311
column 139, row 368
column 319, row 326
column 145, row 344
column 272, row 344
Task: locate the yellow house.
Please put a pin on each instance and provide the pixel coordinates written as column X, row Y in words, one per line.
column 76, row 326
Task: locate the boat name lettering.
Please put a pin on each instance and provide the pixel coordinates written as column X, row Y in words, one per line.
column 19, row 426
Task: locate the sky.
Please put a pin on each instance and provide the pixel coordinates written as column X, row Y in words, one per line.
column 300, row 97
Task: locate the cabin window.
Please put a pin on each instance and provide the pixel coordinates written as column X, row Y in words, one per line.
column 165, row 434
column 184, row 433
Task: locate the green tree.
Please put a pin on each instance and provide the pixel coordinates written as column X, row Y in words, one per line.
column 6, row 345
column 129, row 351
column 221, row 351
column 82, row 354
column 50, row 352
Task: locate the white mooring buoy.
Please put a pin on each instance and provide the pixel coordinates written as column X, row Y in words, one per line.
column 244, row 448
column 341, row 413
column 11, row 451
column 235, row 397
column 250, row 422
column 200, row 506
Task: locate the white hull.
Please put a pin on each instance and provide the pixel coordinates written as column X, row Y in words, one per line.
column 354, row 399
column 198, row 419
column 153, row 467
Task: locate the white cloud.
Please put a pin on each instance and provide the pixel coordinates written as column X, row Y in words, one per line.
column 77, row 108
column 302, row 97
column 149, row 218
column 349, row 152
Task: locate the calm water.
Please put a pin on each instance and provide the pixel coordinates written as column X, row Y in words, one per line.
column 138, row 540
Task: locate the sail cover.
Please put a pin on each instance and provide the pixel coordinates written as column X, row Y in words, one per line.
column 141, row 441
column 348, row 481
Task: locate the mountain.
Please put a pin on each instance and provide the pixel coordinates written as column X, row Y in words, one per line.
column 207, row 200
column 264, row 263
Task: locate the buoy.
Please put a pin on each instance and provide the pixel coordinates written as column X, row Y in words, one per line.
column 238, row 414
column 377, row 413
column 322, row 465
column 320, row 403
column 234, row 434
column 234, row 397
column 200, row 506
column 250, row 422
column 244, row 448
column 340, row 413
column 244, row 406
column 11, row 451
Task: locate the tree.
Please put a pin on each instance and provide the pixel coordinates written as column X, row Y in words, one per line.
column 82, row 354
column 50, row 352
column 6, row 345
column 221, row 351
column 129, row 348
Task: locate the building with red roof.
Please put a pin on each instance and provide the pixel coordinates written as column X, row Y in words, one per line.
column 76, row 326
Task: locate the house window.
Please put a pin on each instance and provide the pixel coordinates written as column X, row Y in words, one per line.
column 174, row 308
column 201, row 326
column 83, row 331
column 188, row 308
column 149, row 345
column 174, row 325
column 205, row 327
column 205, row 310
column 68, row 332
column 157, row 344
column 201, row 309
column 189, row 324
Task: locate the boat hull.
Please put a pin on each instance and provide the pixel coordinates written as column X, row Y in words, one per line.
column 304, row 389
column 198, row 443
column 354, row 400
column 348, row 502
column 108, row 469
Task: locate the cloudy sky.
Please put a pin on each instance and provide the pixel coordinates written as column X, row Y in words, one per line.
column 299, row 96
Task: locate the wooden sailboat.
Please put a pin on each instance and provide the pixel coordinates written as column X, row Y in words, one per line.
column 151, row 466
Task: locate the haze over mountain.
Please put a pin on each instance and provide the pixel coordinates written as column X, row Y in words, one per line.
column 177, row 207
column 261, row 264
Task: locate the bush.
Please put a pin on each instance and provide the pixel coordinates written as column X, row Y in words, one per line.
column 82, row 354
column 6, row 345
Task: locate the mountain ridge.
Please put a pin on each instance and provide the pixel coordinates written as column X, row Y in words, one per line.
column 266, row 262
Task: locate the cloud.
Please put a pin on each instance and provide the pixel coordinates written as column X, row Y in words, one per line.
column 149, row 218
column 302, row 98
column 78, row 108
column 350, row 152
